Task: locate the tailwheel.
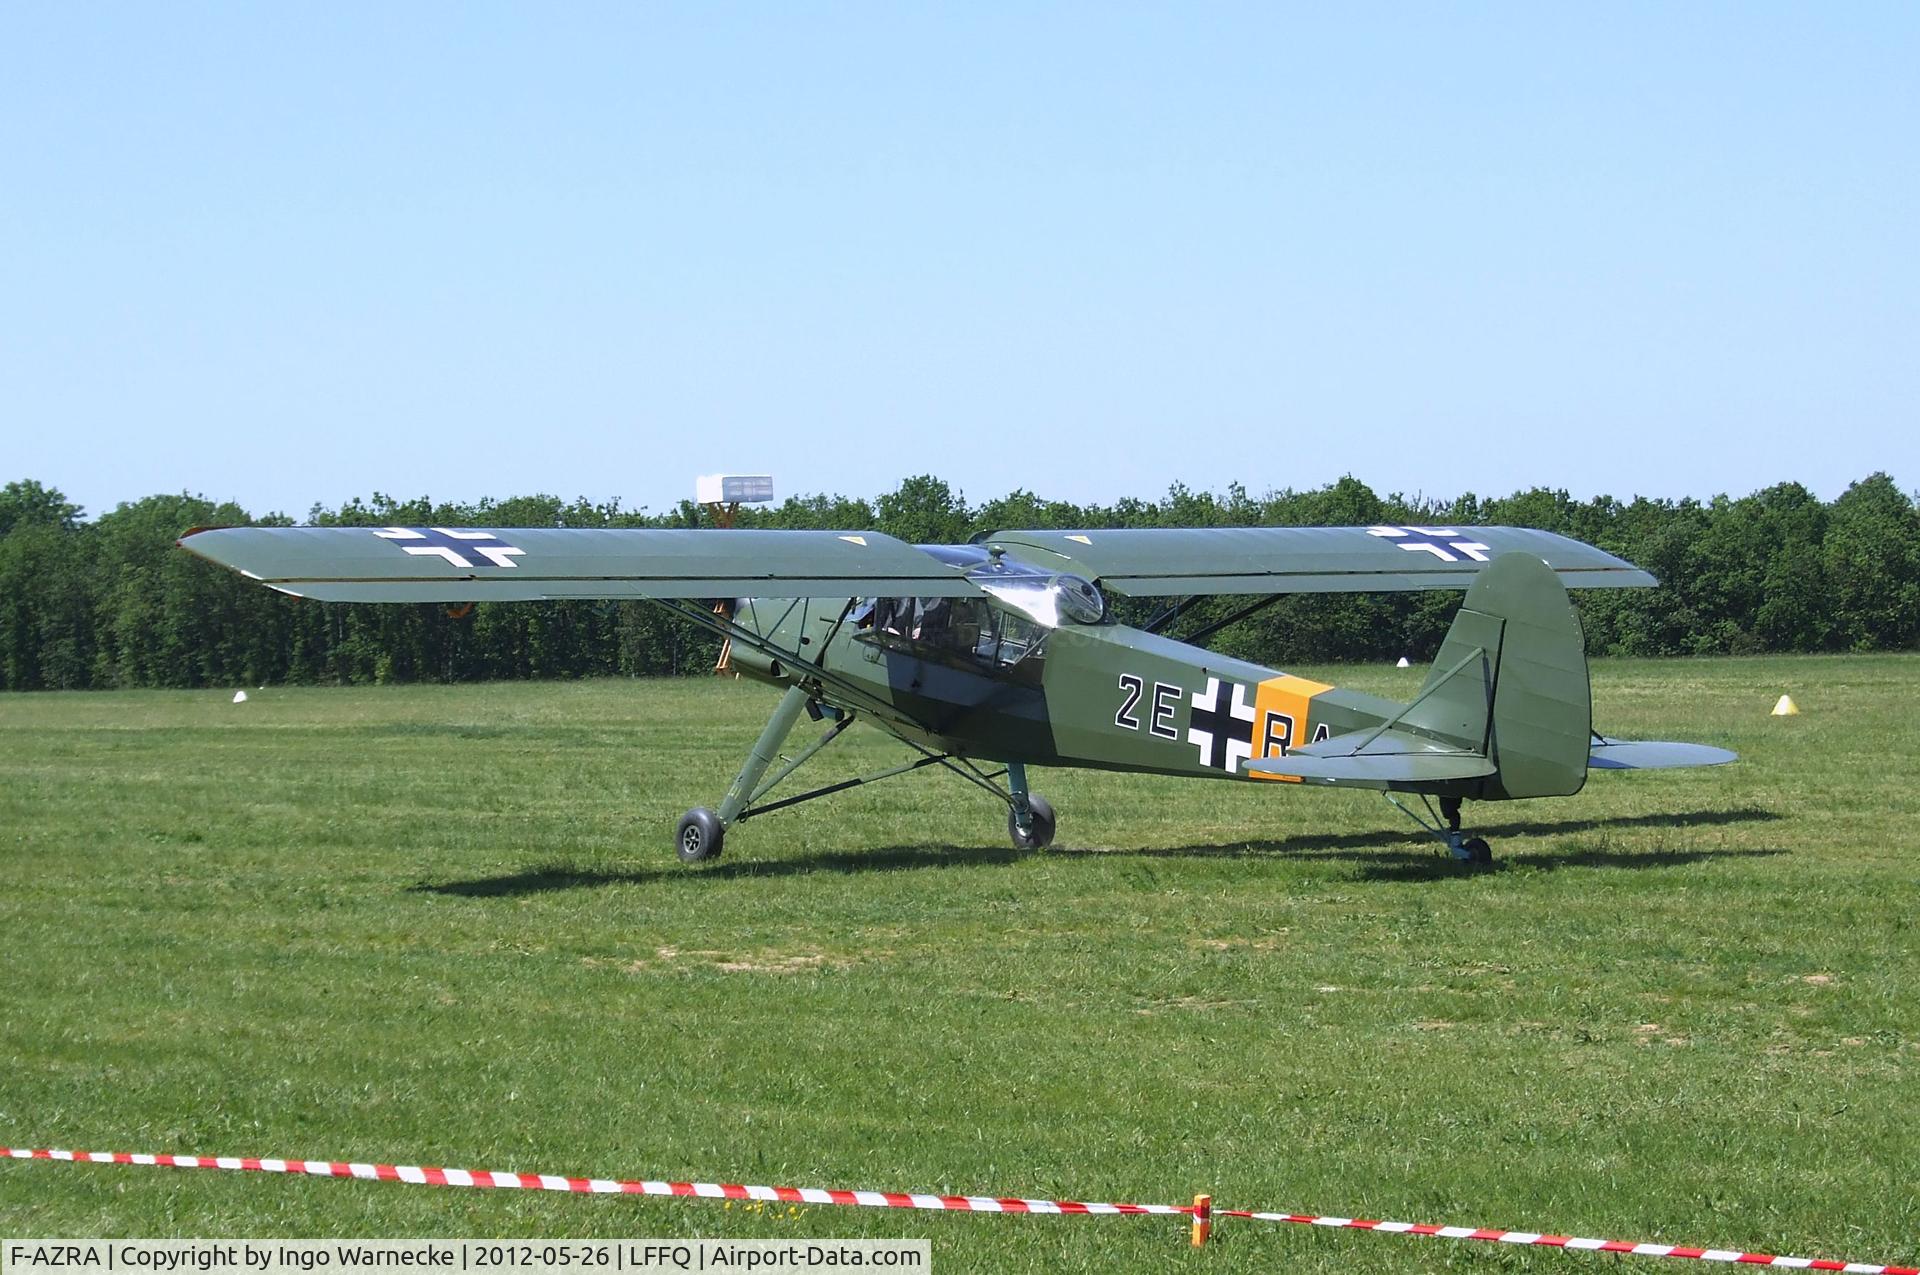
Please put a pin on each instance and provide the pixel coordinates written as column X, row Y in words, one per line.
column 1040, row 821
column 699, row 836
column 1446, row 827
column 1474, row 850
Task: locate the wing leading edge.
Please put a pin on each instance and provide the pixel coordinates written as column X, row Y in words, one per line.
column 1151, row 561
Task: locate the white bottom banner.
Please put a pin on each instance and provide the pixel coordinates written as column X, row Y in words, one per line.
column 488, row 1257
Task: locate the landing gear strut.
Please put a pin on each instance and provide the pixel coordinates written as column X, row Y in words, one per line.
column 1474, row 850
column 702, row 832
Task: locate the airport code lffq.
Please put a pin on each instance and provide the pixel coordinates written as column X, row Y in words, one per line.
column 485, row 1257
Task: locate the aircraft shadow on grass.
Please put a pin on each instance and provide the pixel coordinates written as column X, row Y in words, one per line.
column 881, row 859
column 1420, row 860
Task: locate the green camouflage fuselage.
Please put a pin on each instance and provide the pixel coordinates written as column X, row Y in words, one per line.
column 1105, row 696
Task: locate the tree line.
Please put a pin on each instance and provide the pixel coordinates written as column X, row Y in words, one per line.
column 111, row 602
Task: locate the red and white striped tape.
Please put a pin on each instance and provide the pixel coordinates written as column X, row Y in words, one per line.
column 603, row 1186
column 1572, row 1241
column 903, row 1200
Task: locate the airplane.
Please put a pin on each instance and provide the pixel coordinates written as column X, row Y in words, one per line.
column 1002, row 654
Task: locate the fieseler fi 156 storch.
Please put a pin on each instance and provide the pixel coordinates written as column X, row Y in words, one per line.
column 991, row 657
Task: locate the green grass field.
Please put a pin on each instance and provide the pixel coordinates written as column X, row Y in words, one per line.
column 445, row 926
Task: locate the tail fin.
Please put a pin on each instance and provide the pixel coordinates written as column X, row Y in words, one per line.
column 1510, row 681
column 1505, row 712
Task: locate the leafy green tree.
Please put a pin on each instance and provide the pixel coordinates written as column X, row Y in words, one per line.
column 1022, row 510
column 46, row 608
column 923, row 510
column 1872, row 560
column 113, row 603
column 813, row 513
column 28, row 504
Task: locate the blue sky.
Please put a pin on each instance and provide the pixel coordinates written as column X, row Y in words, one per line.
column 294, row 253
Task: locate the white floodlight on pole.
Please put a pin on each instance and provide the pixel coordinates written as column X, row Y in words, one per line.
column 723, row 494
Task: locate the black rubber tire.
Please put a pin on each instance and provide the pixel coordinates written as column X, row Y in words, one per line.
column 1479, row 853
column 700, row 836
column 1043, row 822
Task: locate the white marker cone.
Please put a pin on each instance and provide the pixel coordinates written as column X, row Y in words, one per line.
column 1403, row 663
column 239, row 697
column 1786, row 707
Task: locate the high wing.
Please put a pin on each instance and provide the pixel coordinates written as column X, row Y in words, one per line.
column 462, row 564
column 1147, row 562
column 465, row 564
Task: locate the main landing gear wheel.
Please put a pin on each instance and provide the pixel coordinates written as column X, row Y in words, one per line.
column 1040, row 835
column 1477, row 851
column 700, row 835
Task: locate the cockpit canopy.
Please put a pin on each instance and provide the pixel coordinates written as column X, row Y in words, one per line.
column 1050, row 598
column 1007, row 627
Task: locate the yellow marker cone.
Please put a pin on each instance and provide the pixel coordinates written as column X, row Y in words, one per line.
column 1786, row 707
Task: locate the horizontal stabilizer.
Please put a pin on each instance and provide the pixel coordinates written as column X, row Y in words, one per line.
column 1623, row 754
column 1393, row 757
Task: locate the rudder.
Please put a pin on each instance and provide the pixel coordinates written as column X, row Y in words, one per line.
column 1511, row 682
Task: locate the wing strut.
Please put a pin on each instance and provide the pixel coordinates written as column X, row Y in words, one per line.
column 1252, row 608
column 726, row 627
column 1169, row 614
column 1160, row 622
